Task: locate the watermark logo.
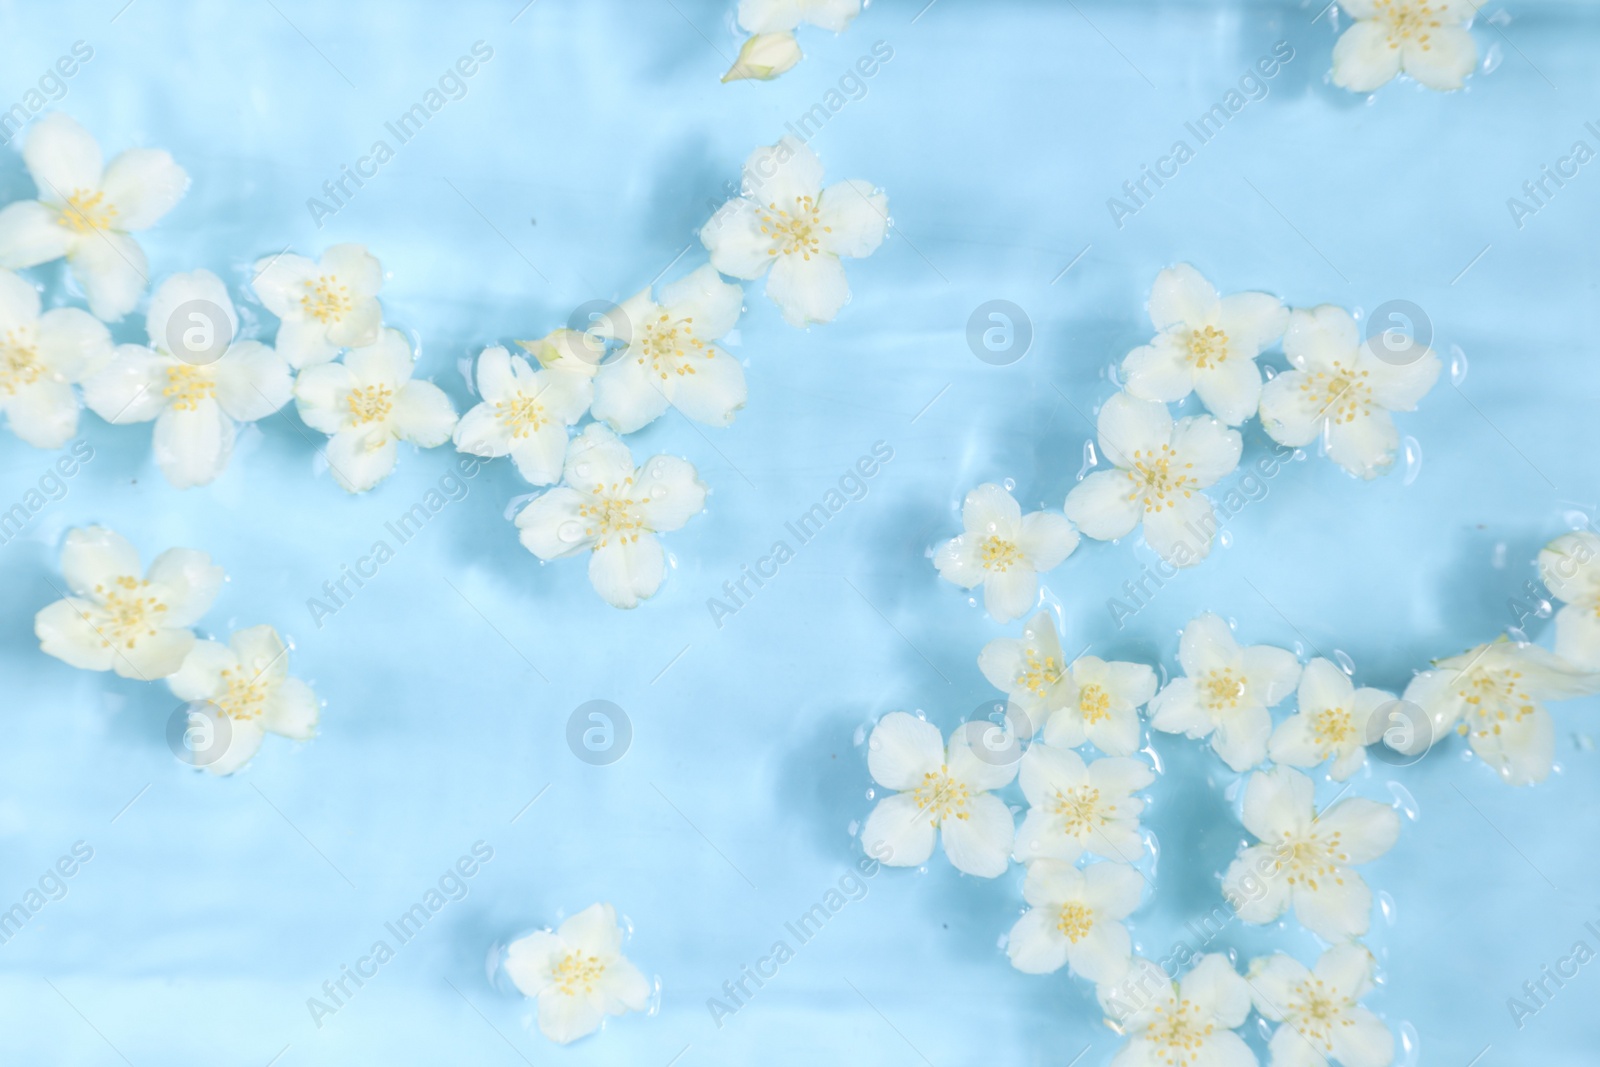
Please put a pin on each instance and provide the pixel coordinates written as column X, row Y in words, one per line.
column 999, row 332
column 1399, row 732
column 605, row 328
column 198, row 733
column 599, row 732
column 199, row 332
column 1399, row 333
column 992, row 736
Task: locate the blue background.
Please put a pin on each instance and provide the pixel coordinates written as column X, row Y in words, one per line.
column 577, row 167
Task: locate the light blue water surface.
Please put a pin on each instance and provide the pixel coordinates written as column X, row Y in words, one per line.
column 576, row 167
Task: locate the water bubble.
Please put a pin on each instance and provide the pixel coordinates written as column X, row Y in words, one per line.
column 1346, row 664
column 1225, row 538
column 1410, row 1045
column 570, row 531
column 1407, row 802
column 464, row 365
column 872, row 793
column 1386, row 904
column 859, row 736
column 1492, row 58
column 1575, row 519
column 1411, row 455
column 1010, row 484
column 853, row 828
column 1458, row 365
column 581, row 470
column 1269, row 372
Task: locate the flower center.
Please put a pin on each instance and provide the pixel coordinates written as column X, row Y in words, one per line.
column 941, row 796
column 1038, row 675
column 1079, row 808
column 1156, row 477
column 187, row 385
column 370, row 403
column 1094, row 703
column 1178, row 1032
column 608, row 513
column 326, row 300
column 521, row 415
column 663, row 345
column 1223, row 689
column 1341, row 395
column 1332, row 727
column 1075, row 922
column 1207, row 348
column 798, row 231
column 577, row 971
column 19, row 362
column 127, row 612
column 998, row 555
column 1316, row 1011
column 1308, row 857
column 85, row 211
column 245, row 696
column 1494, row 698
column 1409, row 21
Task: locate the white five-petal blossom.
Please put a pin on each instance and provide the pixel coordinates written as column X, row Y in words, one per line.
column 524, row 414
column 87, row 211
column 1075, row 808
column 1004, row 550
column 1187, row 1023
column 1428, row 39
column 1225, row 691
column 788, row 222
column 669, row 355
column 41, row 357
column 194, row 394
column 247, row 680
column 613, row 511
column 938, row 788
column 1088, row 700
column 578, row 974
column 1161, row 466
column 1205, row 344
column 1319, row 1009
column 1495, row 694
column 1570, row 568
column 1305, row 857
column 1338, row 388
column 322, row 306
column 1075, row 918
column 1331, row 723
column 113, row 619
column 366, row 404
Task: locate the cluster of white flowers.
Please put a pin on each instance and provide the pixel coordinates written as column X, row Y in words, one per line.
column 1427, row 39
column 577, row 974
column 139, row 623
column 771, row 48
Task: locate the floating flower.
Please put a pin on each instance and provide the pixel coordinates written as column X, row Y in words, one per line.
column 1075, row 808
column 1189, row 1023
column 1339, row 389
column 1226, row 692
column 1319, row 1008
column 764, row 57
column 939, row 788
column 115, row 620
column 1570, row 568
column 1004, row 550
column 1075, row 918
column 1160, row 468
column 769, row 16
column 578, row 974
column 669, row 355
column 575, row 352
column 87, row 212
column 1331, row 724
column 322, row 306
column 613, row 511
column 1089, row 700
column 195, row 380
column 1495, row 694
column 1427, row 39
column 525, row 414
column 247, row 681
column 787, row 222
column 367, row 403
column 41, row 357
column 1204, row 344
column 1305, row 857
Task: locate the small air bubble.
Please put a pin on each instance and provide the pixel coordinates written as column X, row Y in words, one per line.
column 1010, row 484
column 1387, row 906
column 1458, row 365
column 1411, row 454
column 1408, row 803
column 1346, row 664
column 1090, row 460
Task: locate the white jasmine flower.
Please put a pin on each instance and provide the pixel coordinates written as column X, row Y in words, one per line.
column 765, row 56
column 669, row 355
column 1160, row 468
column 939, row 788
column 1004, row 550
column 1090, row 700
column 769, row 16
column 788, row 222
column 112, row 619
column 524, row 414
column 248, row 681
column 194, row 395
column 575, row 352
column 1189, row 1023
column 323, row 306
column 1075, row 808
column 1338, row 388
column 366, row 404
column 1427, row 39
column 1330, row 724
column 1075, row 918
column 87, row 212
column 1305, row 857
column 613, row 510
column 1494, row 694
column 1225, row 692
column 578, row 974
column 41, row 357
column 1319, row 1008
column 1570, row 568
column 1204, row 344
